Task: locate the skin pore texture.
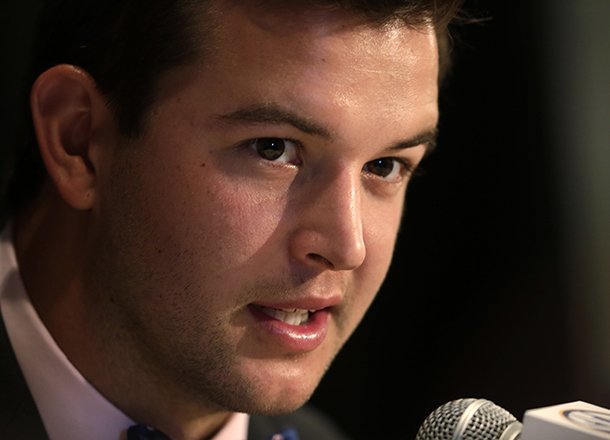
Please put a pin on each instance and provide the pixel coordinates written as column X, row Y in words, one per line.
column 271, row 174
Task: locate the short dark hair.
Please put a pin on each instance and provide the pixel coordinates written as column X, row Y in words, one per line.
column 125, row 45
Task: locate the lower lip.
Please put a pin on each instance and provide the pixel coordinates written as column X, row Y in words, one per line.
column 297, row 338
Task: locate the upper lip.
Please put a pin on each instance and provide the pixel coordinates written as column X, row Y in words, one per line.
column 310, row 303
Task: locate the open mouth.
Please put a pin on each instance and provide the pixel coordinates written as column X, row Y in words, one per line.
column 289, row 316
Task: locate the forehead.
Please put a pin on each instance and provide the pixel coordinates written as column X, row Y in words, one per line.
column 316, row 59
column 318, row 36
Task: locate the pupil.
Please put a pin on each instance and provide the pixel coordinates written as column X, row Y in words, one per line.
column 270, row 148
column 381, row 167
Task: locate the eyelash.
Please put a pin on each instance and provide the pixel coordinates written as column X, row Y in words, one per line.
column 251, row 144
column 407, row 167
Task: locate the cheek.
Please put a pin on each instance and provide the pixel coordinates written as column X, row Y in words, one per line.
column 380, row 238
column 382, row 223
column 175, row 235
column 183, row 211
column 225, row 220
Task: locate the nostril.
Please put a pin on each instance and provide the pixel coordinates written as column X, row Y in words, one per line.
column 321, row 260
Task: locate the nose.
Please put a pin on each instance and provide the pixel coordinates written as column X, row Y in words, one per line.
column 329, row 232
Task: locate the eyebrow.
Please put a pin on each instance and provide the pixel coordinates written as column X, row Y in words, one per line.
column 427, row 138
column 276, row 114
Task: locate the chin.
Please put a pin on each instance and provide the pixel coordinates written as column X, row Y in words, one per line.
column 275, row 400
column 277, row 408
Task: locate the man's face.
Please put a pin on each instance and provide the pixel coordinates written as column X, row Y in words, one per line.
column 239, row 241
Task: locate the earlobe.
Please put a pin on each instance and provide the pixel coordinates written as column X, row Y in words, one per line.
column 64, row 100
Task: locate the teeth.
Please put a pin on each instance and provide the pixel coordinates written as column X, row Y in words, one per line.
column 289, row 316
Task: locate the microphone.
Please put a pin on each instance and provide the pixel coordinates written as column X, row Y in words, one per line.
column 481, row 419
column 476, row 419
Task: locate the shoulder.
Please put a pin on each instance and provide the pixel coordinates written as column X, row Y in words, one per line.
column 308, row 421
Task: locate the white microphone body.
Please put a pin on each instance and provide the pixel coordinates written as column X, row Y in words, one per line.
column 568, row 421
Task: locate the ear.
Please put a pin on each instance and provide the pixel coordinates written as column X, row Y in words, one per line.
column 66, row 106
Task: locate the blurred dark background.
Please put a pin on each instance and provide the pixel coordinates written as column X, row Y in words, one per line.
column 501, row 283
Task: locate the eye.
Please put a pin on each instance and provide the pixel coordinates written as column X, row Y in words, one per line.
column 276, row 150
column 388, row 168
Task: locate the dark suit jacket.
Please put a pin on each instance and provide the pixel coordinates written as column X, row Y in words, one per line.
column 19, row 418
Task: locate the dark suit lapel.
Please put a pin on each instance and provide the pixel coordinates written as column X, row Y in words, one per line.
column 306, row 423
column 19, row 418
column 264, row 428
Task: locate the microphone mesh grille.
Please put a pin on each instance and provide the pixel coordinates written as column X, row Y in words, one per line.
column 487, row 423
